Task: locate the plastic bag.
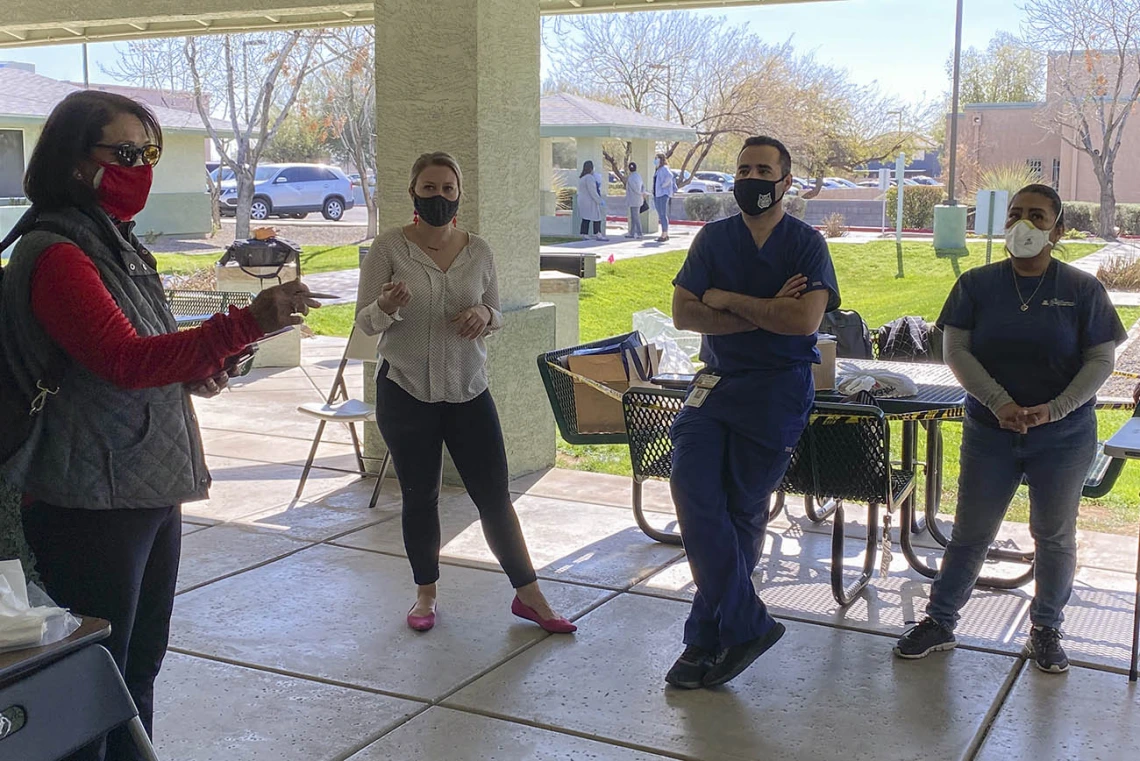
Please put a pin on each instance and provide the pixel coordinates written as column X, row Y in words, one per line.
column 879, row 383
column 656, row 325
column 28, row 617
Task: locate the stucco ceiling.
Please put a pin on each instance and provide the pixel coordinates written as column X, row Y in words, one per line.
column 40, row 22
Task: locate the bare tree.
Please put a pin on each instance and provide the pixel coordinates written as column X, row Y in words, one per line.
column 272, row 68
column 159, row 64
column 692, row 70
column 349, row 105
column 1094, row 80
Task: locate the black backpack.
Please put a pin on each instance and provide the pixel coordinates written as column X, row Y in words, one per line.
column 17, row 410
column 909, row 339
column 852, row 336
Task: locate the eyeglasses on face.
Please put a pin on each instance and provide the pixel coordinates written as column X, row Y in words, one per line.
column 128, row 154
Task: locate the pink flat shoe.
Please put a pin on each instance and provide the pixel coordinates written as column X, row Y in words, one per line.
column 552, row 625
column 422, row 623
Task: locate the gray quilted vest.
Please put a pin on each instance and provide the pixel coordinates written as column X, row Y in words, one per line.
column 95, row 445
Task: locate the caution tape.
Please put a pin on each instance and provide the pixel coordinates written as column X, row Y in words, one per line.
column 599, row 387
column 1122, row 374
column 948, row 413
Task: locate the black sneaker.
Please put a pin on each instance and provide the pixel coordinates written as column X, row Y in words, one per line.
column 1044, row 647
column 927, row 637
column 690, row 668
column 731, row 662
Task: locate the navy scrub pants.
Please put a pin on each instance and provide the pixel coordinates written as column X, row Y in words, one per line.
column 722, row 485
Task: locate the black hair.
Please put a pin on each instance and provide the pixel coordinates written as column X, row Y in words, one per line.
column 771, row 142
column 1053, row 196
column 586, row 171
column 71, row 131
column 632, row 166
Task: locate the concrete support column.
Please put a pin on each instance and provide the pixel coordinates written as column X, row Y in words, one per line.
column 548, row 200
column 463, row 76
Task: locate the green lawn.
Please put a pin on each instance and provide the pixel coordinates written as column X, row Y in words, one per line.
column 868, row 284
column 314, row 259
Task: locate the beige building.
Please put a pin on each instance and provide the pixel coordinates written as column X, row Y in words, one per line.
column 995, row 134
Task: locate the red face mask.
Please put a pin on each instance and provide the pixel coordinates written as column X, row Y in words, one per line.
column 123, row 190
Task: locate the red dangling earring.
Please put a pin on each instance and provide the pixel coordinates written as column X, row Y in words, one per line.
column 415, row 219
column 455, row 221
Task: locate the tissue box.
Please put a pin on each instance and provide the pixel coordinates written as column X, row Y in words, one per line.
column 824, row 372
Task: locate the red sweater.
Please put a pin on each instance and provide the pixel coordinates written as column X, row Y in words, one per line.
column 80, row 315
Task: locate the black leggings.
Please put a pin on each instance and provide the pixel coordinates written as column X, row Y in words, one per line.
column 585, row 229
column 415, row 433
column 121, row 566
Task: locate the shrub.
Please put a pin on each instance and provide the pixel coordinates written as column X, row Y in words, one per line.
column 1121, row 273
column 835, row 226
column 566, row 197
column 1128, row 218
column 702, row 206
column 795, row 206
column 918, row 206
column 1082, row 216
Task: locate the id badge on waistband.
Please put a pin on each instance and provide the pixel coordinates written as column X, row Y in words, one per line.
column 701, row 389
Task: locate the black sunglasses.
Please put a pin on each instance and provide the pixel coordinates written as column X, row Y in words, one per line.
column 128, row 154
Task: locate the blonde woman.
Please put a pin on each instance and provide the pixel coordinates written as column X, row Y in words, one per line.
column 430, row 291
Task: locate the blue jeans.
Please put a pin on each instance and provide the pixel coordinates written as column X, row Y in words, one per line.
column 662, row 205
column 1054, row 459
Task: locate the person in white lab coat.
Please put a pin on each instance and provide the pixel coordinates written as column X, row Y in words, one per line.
column 590, row 204
column 634, row 197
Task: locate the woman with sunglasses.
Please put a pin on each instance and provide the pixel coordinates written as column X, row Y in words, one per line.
column 1032, row 340
column 430, row 291
column 84, row 326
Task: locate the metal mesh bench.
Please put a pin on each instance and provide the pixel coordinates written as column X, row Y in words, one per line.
column 192, row 308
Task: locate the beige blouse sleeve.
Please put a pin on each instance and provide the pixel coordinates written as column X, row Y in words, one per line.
column 491, row 297
column 375, row 272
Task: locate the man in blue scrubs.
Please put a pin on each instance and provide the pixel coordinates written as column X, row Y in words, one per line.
column 756, row 286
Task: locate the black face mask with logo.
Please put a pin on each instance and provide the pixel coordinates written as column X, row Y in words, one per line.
column 755, row 196
column 437, row 211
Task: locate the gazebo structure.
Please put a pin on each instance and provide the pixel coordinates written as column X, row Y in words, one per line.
column 589, row 124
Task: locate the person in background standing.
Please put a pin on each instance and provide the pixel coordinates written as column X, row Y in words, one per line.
column 590, row 202
column 634, row 197
column 664, row 186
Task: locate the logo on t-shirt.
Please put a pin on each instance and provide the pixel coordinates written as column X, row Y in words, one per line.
column 1058, row 303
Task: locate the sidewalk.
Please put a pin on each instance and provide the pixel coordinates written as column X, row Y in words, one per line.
column 1129, row 250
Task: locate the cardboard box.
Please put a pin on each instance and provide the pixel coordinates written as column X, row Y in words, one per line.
column 824, row 373
column 596, row 412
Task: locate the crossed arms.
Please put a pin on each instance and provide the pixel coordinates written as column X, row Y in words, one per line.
column 791, row 312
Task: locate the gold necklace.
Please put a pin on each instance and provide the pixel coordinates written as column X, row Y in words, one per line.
column 1026, row 302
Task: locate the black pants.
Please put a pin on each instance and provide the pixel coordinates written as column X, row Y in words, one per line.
column 585, row 229
column 415, row 433
column 121, row 566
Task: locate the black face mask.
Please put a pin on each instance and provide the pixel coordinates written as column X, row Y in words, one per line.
column 437, row 211
column 756, row 197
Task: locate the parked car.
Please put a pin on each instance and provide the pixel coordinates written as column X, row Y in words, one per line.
column 695, row 185
column 723, row 178
column 869, row 183
column 293, row 190
column 841, row 182
column 922, row 179
column 801, row 183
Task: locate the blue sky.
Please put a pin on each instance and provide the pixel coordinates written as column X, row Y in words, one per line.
column 902, row 44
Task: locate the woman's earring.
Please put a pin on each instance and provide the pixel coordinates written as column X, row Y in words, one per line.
column 415, row 218
column 455, row 221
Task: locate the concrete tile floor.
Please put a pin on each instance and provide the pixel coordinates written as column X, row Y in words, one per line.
column 289, row 640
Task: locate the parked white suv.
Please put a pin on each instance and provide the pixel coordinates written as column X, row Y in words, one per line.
column 293, row 190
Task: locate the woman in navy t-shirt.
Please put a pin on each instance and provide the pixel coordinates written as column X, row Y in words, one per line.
column 1031, row 339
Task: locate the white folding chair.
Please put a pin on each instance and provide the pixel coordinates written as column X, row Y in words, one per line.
column 341, row 408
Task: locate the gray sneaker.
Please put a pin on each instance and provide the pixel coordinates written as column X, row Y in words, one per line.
column 927, row 637
column 1044, row 647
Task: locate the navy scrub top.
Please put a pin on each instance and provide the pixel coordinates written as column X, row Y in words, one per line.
column 766, row 389
column 1034, row 354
